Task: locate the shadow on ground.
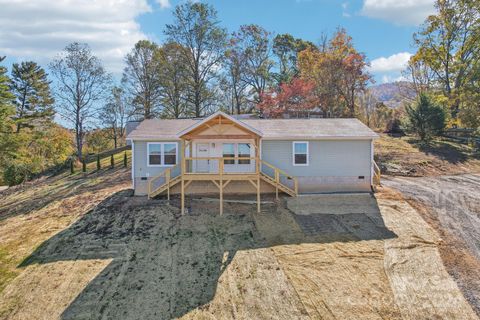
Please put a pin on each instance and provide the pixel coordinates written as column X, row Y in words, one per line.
column 453, row 153
column 165, row 265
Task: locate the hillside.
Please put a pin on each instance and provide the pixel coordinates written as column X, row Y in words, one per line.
column 82, row 247
column 393, row 94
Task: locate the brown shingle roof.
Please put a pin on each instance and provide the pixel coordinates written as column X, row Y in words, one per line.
column 157, row 129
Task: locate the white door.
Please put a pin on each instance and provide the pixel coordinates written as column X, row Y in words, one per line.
column 203, row 150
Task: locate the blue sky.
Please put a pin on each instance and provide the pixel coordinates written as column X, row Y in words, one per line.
column 37, row 30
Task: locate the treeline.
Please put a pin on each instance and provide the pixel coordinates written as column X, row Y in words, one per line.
column 201, row 68
column 443, row 74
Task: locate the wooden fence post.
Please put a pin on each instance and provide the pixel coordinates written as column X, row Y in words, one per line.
column 72, row 168
column 112, row 161
column 98, row 162
column 125, row 159
column 84, row 165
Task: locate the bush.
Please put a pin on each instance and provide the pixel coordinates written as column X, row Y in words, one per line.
column 394, row 126
column 426, row 119
column 16, row 173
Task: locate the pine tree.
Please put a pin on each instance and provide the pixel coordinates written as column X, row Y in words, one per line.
column 33, row 99
column 7, row 146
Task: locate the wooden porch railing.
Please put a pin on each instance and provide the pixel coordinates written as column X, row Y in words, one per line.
column 188, row 166
column 278, row 174
column 377, row 174
column 167, row 174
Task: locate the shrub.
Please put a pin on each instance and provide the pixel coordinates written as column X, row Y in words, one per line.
column 16, row 173
column 394, row 126
column 425, row 119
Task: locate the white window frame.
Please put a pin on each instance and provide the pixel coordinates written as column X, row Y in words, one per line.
column 293, row 154
column 162, row 154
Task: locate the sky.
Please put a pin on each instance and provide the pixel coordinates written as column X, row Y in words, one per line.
column 39, row 29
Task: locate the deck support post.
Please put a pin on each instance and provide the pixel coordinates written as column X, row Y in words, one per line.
column 182, row 191
column 220, row 171
column 258, row 193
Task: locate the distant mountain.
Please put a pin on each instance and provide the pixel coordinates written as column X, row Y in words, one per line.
column 393, row 94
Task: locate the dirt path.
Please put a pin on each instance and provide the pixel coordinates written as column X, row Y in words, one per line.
column 451, row 205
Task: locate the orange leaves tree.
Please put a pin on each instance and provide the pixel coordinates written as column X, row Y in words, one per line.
column 338, row 71
column 296, row 96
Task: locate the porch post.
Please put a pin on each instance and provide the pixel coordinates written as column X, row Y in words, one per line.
column 182, row 191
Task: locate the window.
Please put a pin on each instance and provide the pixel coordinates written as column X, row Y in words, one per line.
column 236, row 150
column 155, row 154
column 170, row 154
column 162, row 154
column 244, row 152
column 300, row 153
column 229, row 152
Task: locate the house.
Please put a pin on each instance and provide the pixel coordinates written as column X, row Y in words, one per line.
column 223, row 154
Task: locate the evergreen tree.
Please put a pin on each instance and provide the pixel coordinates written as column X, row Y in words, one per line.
column 33, row 99
column 6, row 111
column 426, row 119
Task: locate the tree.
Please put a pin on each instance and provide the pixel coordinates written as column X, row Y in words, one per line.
column 33, row 99
column 114, row 115
column 296, row 96
column 234, row 85
column 81, row 85
column 367, row 104
column 7, row 142
column 339, row 72
column 286, row 48
column 141, row 79
column 195, row 28
column 448, row 45
column 254, row 44
column 173, row 80
column 425, row 118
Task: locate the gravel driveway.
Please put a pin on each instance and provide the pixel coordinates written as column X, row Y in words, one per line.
column 452, row 206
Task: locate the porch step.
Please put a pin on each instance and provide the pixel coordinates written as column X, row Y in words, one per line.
column 280, row 186
column 165, row 186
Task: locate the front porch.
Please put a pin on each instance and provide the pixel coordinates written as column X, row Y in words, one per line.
column 219, row 149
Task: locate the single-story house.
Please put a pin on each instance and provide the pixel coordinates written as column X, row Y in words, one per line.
column 224, row 154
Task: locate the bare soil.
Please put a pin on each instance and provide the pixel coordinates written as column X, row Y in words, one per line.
column 451, row 205
column 339, row 258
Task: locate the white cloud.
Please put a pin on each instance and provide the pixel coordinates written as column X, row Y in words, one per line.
column 164, row 4
column 395, row 62
column 400, row 12
column 390, row 79
column 39, row 29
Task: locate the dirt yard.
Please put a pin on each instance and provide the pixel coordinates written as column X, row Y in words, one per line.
column 451, row 204
column 323, row 257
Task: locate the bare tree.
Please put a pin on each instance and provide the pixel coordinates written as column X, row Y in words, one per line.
column 141, row 79
column 195, row 27
column 173, row 79
column 114, row 115
column 255, row 44
column 81, row 84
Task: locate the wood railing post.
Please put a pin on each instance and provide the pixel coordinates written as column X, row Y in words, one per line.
column 296, row 186
column 167, row 177
column 277, row 181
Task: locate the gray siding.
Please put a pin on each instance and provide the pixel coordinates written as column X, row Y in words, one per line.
column 141, row 168
column 334, row 165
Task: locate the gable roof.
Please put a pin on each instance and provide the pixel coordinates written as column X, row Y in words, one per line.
column 269, row 129
column 217, row 115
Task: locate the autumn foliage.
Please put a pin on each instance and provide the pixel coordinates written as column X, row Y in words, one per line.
column 298, row 95
column 338, row 71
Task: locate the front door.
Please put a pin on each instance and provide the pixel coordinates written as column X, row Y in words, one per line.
column 203, row 150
